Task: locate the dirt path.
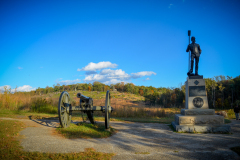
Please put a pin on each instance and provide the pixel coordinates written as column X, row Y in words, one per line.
column 133, row 139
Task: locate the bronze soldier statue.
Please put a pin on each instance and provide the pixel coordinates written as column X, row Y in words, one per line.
column 195, row 54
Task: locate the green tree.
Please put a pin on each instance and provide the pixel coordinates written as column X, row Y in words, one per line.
column 221, row 88
column 122, row 86
column 136, row 90
column 98, row 86
column 214, row 85
column 129, row 87
column 79, row 86
column 73, row 87
column 85, row 86
column 46, row 90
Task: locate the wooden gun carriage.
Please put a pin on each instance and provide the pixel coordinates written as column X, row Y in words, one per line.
column 65, row 108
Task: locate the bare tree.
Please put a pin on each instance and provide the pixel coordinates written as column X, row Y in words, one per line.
column 221, row 88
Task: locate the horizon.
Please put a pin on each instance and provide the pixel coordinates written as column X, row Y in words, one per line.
column 44, row 43
column 25, row 88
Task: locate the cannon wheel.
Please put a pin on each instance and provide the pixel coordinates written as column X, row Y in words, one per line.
column 90, row 115
column 107, row 112
column 63, row 109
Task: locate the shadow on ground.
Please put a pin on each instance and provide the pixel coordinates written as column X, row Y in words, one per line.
column 156, row 139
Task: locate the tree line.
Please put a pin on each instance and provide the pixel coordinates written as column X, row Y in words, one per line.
column 222, row 92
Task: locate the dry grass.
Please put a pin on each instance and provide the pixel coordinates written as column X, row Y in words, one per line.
column 15, row 101
column 129, row 109
column 125, row 105
column 24, row 101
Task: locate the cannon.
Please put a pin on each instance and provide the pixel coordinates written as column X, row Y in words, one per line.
column 65, row 108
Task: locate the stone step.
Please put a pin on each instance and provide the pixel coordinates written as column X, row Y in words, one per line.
column 222, row 128
column 198, row 119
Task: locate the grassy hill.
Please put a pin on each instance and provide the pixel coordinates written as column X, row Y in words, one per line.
column 126, row 106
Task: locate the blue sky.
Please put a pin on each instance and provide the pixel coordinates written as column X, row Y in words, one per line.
column 142, row 42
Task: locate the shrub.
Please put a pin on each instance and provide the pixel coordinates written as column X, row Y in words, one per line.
column 41, row 105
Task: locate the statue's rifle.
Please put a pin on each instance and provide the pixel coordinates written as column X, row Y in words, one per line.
column 189, row 34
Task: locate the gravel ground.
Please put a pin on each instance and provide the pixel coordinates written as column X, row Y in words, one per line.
column 135, row 141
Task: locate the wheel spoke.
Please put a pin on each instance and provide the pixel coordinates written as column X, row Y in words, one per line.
column 63, row 107
column 65, row 116
column 66, row 119
column 63, row 98
column 107, row 106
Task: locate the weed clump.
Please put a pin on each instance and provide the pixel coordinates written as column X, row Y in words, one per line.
column 41, row 105
column 86, row 130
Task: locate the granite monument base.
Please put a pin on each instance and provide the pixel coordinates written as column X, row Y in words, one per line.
column 202, row 128
column 200, row 120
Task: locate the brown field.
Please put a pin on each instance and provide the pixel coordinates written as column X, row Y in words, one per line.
column 125, row 105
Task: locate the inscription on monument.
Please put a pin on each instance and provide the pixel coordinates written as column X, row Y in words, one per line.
column 198, row 102
column 197, row 91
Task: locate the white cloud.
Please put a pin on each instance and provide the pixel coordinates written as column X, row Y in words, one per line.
column 68, row 82
column 97, row 66
column 2, row 89
column 24, row 88
column 147, row 79
column 143, row 73
column 108, row 76
column 106, row 79
column 95, row 77
column 107, row 71
column 114, row 81
column 20, row 68
column 115, row 73
column 100, row 72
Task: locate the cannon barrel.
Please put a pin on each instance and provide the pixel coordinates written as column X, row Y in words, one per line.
column 82, row 97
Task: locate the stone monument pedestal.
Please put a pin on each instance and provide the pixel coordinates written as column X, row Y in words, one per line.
column 197, row 117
